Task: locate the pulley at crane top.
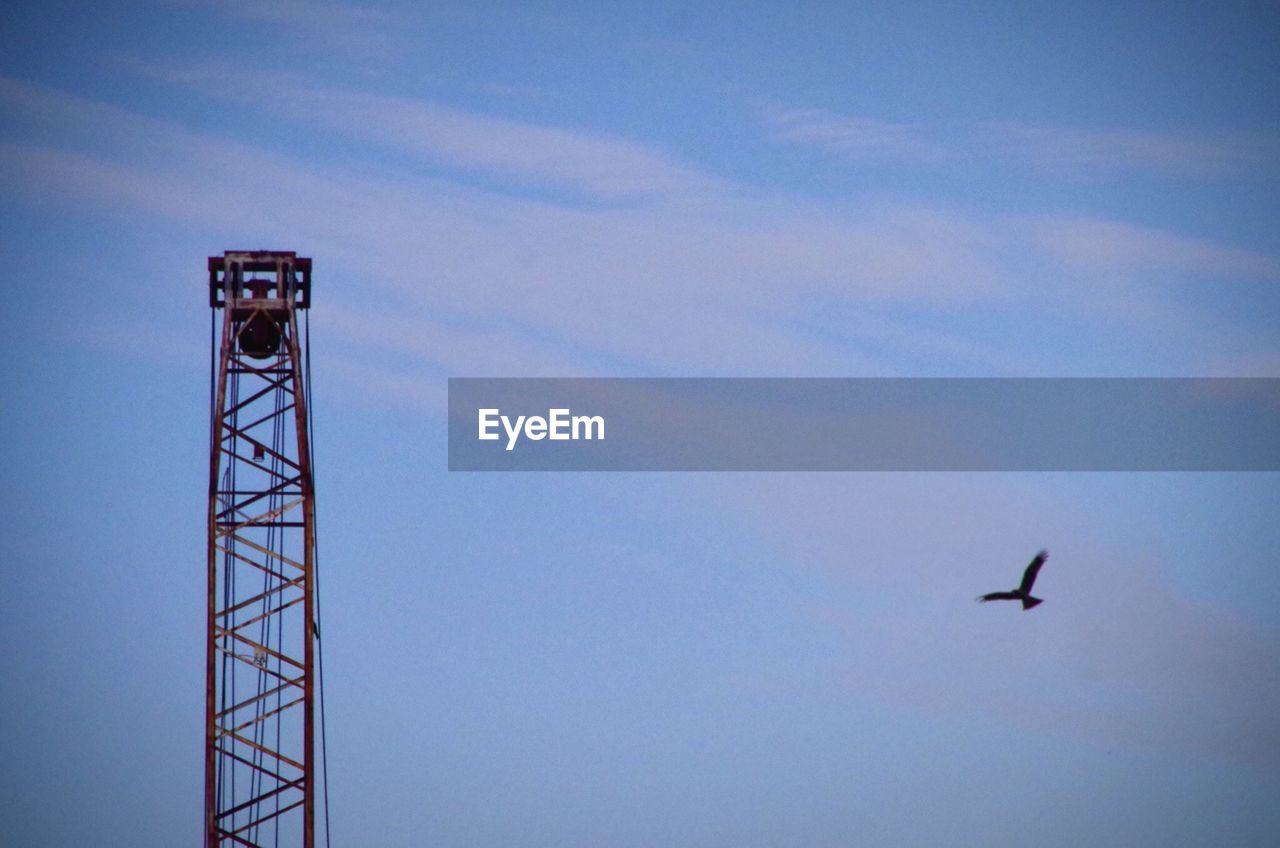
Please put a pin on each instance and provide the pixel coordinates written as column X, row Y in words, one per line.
column 259, row 335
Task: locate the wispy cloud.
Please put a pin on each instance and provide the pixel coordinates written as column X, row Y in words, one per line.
column 1112, row 246
column 593, row 165
column 344, row 27
column 727, row 279
column 1072, row 152
column 512, row 91
column 854, row 135
column 528, row 268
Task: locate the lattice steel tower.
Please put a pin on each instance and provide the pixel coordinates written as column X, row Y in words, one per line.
column 260, row 786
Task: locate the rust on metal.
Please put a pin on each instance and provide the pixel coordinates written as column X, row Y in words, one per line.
column 259, row 744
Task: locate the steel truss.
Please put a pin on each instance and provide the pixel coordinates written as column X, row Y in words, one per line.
column 259, row 705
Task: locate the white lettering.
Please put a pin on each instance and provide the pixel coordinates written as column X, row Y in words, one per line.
column 487, row 422
column 513, row 433
column 559, row 426
column 587, row 421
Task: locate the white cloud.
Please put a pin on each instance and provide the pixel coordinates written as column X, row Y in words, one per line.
column 597, row 166
column 854, row 135
column 717, row 283
column 1062, row 150
column 1107, row 246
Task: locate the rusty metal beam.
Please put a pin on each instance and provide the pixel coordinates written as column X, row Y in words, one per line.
column 275, row 755
column 244, row 725
column 258, row 646
column 257, row 495
column 220, row 835
column 283, row 787
column 300, row 680
column 264, row 616
column 297, row 681
column 270, row 816
column 257, row 767
column 262, row 549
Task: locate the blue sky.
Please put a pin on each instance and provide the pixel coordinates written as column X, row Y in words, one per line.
column 759, row 189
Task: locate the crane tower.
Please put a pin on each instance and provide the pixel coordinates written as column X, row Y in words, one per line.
column 262, row 635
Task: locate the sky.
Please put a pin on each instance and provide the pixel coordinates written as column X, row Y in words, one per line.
column 757, row 189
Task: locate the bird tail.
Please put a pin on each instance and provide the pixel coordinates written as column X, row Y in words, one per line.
column 1028, row 602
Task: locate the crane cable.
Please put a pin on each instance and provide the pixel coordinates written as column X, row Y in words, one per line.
column 311, row 442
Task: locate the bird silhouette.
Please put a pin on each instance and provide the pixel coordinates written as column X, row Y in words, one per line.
column 1023, row 592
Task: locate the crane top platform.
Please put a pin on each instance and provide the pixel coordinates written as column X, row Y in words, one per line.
column 245, row 281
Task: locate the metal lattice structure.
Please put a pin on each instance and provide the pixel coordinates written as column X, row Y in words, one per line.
column 259, row 728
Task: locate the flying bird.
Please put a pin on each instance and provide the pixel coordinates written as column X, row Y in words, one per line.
column 1023, row 592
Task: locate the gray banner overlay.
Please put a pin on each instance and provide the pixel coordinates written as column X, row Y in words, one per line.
column 864, row 424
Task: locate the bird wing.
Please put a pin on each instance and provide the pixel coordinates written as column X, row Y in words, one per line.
column 1000, row 596
column 1029, row 576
